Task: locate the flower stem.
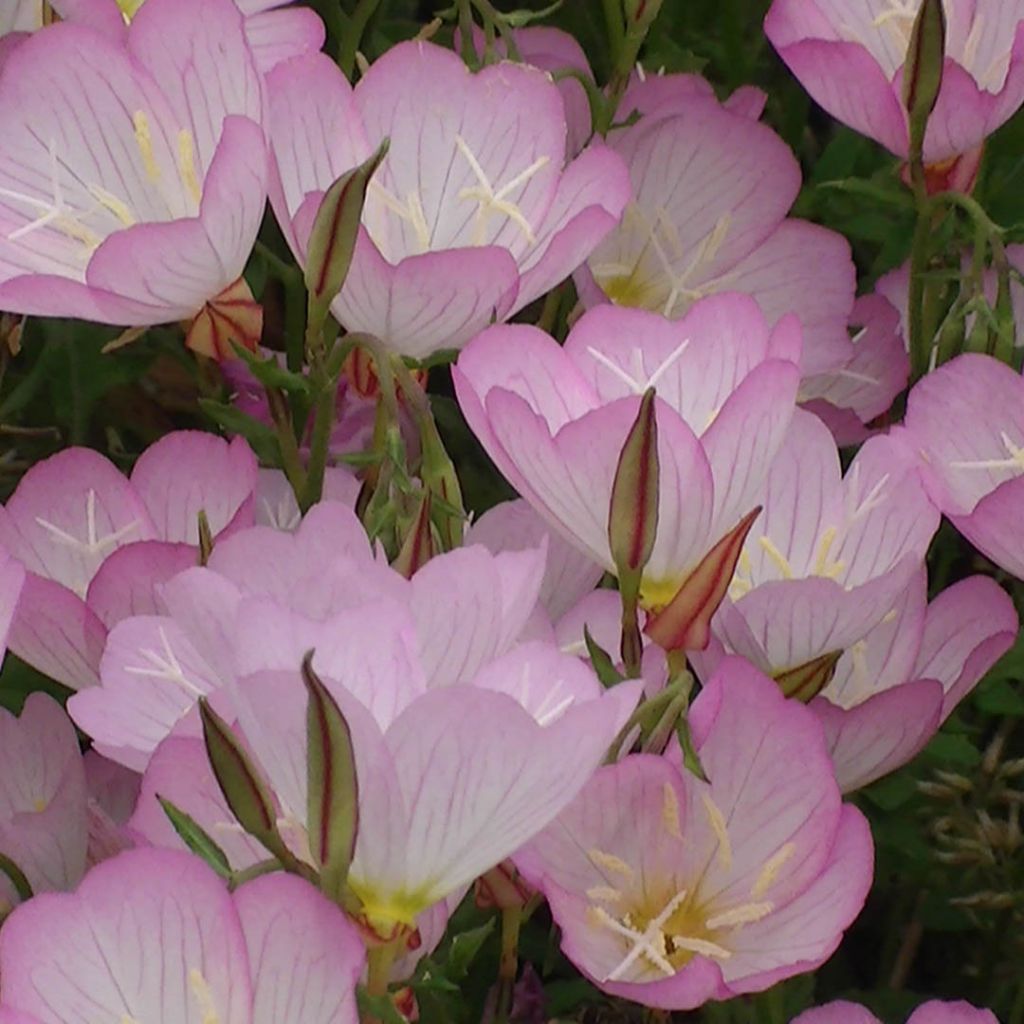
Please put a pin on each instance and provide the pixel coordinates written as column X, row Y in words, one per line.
column 353, row 35
column 508, row 964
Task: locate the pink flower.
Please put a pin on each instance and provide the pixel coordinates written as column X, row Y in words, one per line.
column 893, row 688
column 670, row 891
column 147, row 210
column 94, row 544
column 849, row 398
column 711, row 189
column 113, row 791
column 932, row 1012
column 849, row 55
column 155, row 936
column 12, row 579
column 274, row 29
column 267, row 597
column 656, row 93
column 473, row 214
column 966, row 422
column 829, row 556
column 554, row 420
column 43, row 824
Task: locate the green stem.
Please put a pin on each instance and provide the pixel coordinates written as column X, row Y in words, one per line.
column 291, row 460
column 353, row 35
column 264, row 867
column 508, row 964
column 616, row 27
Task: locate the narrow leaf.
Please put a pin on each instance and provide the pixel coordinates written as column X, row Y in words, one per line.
column 21, row 884
column 196, row 838
column 601, row 661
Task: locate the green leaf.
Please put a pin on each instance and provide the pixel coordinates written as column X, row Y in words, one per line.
column 333, row 789
column 1000, row 698
column 196, row 839
column 377, row 1008
column 464, row 949
column 234, row 421
column 601, row 661
column 21, row 884
column 270, row 373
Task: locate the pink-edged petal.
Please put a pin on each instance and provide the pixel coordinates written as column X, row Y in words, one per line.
column 804, row 934
column 969, row 626
column 880, row 734
column 12, row 578
column 276, row 36
column 43, row 825
column 189, row 471
column 304, row 953
column 960, row 1012
column 179, row 771
column 513, row 526
column 68, row 514
column 57, row 633
column 804, row 269
column 470, row 606
column 838, row 1012
column 430, row 301
column 104, row 15
column 844, row 79
column 128, row 582
column 993, row 527
column 152, row 676
column 150, row 933
column 591, row 195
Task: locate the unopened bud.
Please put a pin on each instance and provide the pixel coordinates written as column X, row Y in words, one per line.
column 806, row 681
column 418, row 547
column 923, row 67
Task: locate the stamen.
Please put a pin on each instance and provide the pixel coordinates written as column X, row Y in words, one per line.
column 187, row 164
column 748, row 913
column 717, row 820
column 772, row 867
column 144, row 140
column 780, row 560
column 822, row 567
column 201, row 990
column 670, row 811
column 116, row 206
column 605, row 893
column 609, row 862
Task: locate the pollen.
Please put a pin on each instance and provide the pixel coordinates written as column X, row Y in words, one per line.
column 670, row 811
column 823, row 567
column 771, row 870
column 780, row 560
column 200, row 989
column 144, row 140
column 609, row 862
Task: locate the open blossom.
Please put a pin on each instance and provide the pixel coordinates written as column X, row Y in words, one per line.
column 94, row 543
column 966, row 422
column 155, row 936
column 829, row 555
column 472, row 215
column 933, row 1012
column 711, row 189
column 265, row 598
column 554, row 421
column 893, row 688
column 274, row 29
column 850, row 56
column 131, row 192
column 43, row 821
column 670, row 891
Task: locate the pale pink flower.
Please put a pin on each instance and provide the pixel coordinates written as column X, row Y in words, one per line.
column 650, row 94
column 112, row 791
column 933, row 1012
column 266, row 597
column 850, row 56
column 94, row 543
column 12, row 579
column 670, row 891
column 849, row 398
column 43, row 823
column 473, row 214
column 131, row 191
column 554, row 421
column 155, row 936
column 893, row 688
column 966, row 423
column 829, row 556
column 711, row 190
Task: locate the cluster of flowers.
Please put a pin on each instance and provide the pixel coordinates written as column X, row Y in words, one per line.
column 141, row 142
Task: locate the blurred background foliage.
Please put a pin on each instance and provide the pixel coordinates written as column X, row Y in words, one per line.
column 946, row 915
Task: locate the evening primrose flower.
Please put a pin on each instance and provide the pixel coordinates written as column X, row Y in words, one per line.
column 130, row 192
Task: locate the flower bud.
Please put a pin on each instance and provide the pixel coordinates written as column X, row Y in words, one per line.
column 806, row 681
column 923, row 67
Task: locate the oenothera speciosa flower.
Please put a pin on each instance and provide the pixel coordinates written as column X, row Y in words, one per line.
column 850, row 56
column 94, row 543
column 133, row 173
column 451, row 778
column 474, row 212
column 893, row 688
column 829, row 555
column 670, row 891
column 274, row 29
column 711, row 189
column 266, row 597
column 966, row 423
column 43, row 818
column 933, row 1012
column 154, row 937
column 555, row 419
